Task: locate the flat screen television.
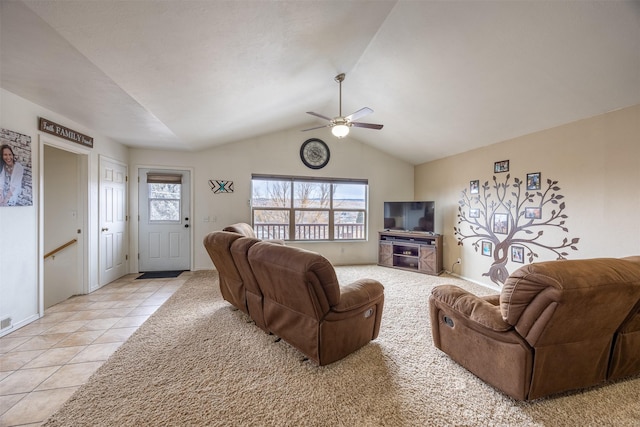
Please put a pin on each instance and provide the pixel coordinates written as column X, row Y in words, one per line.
column 410, row 216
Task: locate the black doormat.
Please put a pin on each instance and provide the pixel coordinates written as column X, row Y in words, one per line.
column 160, row 274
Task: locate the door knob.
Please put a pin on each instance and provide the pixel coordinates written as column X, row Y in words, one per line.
column 105, row 229
column 186, row 226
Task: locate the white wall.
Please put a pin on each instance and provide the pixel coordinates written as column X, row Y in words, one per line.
column 20, row 250
column 596, row 162
column 278, row 154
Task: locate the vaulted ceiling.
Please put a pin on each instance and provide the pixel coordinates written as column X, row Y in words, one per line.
column 443, row 77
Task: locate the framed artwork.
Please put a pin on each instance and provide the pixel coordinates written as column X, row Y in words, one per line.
column 517, row 254
column 474, row 213
column 474, row 186
column 486, row 248
column 533, row 181
column 533, row 213
column 219, row 186
column 16, row 186
column 501, row 223
column 501, row 166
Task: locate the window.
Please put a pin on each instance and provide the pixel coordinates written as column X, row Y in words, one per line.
column 292, row 208
column 164, row 197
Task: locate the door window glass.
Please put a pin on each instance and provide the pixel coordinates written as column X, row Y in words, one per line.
column 164, row 202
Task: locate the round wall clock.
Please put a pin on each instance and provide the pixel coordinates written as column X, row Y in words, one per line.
column 314, row 153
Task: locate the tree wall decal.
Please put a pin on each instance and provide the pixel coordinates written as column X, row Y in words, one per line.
column 501, row 214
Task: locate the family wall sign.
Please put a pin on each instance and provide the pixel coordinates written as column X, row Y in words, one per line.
column 64, row 132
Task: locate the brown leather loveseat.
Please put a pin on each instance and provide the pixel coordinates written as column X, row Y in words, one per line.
column 295, row 294
column 555, row 326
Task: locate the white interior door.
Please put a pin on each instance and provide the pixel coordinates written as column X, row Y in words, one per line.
column 113, row 220
column 164, row 239
column 63, row 224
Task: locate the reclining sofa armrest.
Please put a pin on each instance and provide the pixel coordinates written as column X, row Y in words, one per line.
column 472, row 307
column 359, row 294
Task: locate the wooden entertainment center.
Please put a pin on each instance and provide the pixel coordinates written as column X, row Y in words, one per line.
column 414, row 251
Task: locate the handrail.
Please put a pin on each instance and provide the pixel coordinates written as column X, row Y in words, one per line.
column 59, row 248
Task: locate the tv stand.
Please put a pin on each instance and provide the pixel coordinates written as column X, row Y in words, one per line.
column 411, row 250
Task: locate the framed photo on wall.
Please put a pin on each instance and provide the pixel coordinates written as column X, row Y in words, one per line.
column 517, row 254
column 501, row 223
column 486, row 248
column 533, row 181
column 501, row 166
column 16, row 186
column 474, row 186
column 533, row 213
column 474, row 213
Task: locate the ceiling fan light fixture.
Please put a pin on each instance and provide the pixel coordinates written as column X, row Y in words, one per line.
column 340, row 125
column 340, row 131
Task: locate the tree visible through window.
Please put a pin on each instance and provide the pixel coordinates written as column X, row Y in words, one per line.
column 164, row 202
column 309, row 209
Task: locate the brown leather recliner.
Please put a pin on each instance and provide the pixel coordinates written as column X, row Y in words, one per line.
column 305, row 306
column 218, row 246
column 555, row 326
column 254, row 298
column 228, row 251
column 625, row 358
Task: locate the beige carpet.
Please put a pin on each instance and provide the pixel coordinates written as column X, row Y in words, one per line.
column 196, row 362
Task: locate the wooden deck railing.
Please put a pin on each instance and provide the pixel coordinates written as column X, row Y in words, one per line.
column 310, row 231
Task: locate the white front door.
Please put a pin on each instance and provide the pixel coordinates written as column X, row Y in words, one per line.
column 164, row 204
column 113, row 220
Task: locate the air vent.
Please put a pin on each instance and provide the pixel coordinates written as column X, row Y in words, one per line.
column 5, row 323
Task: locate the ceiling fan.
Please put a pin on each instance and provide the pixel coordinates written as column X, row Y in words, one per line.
column 340, row 125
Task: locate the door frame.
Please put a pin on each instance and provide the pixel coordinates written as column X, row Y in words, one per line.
column 84, row 209
column 135, row 213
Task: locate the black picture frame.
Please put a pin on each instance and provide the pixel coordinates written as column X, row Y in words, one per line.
column 486, row 248
column 474, row 186
column 517, row 254
column 501, row 166
column 474, row 213
column 533, row 181
column 533, row 213
column 501, row 223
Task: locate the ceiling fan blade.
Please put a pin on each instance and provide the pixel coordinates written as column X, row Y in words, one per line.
column 358, row 114
column 366, row 125
column 317, row 127
column 318, row 115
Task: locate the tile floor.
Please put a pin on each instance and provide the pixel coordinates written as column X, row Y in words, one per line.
column 42, row 364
